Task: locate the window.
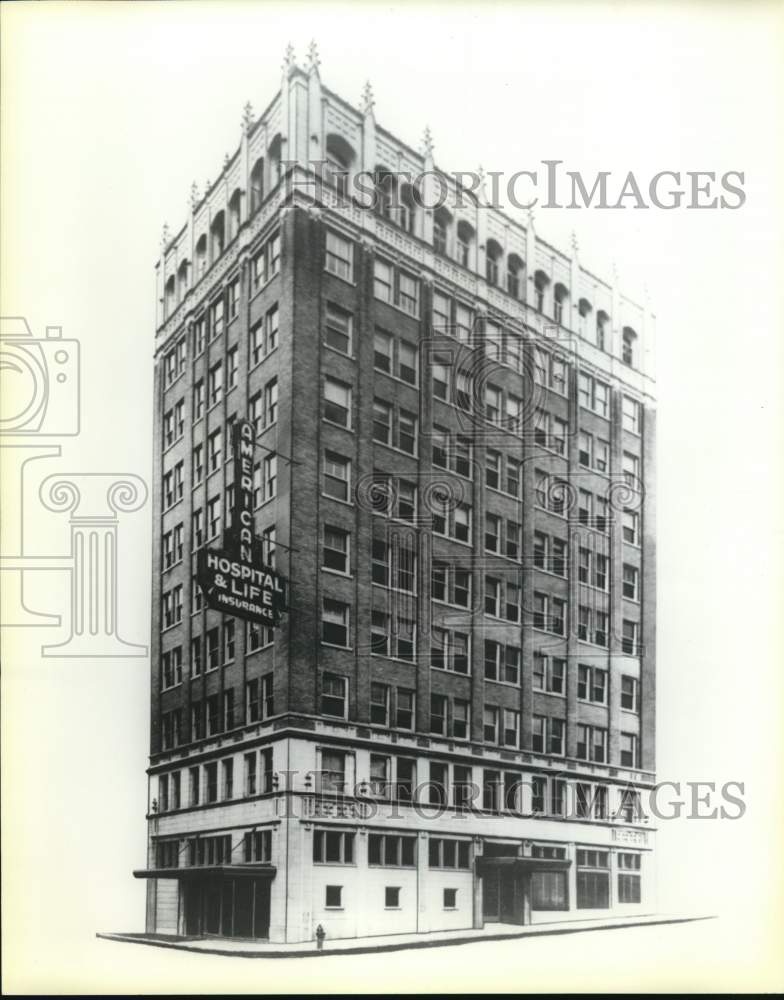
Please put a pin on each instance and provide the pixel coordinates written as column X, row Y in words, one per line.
column 379, row 704
column 631, row 415
column 173, row 485
column 171, row 667
column 449, row 650
column 338, row 328
column 228, row 640
column 629, row 881
column 213, row 517
column 172, row 606
column 452, row 451
column 391, row 850
column 549, row 613
column 438, row 704
column 490, row 724
column 591, row 684
column 510, row 732
column 270, row 402
column 454, row 523
column 630, row 693
column 548, row 735
column 628, row 347
column 592, row 743
column 333, row 847
column 382, row 280
column 461, row 719
column 391, row 898
column 259, row 698
column 392, row 634
column 631, row 527
column 332, row 776
column 593, row 879
column 333, row 897
column 394, row 497
column 336, row 550
column 629, row 809
column 214, row 449
column 549, row 673
column 339, row 256
column 630, row 750
column 408, row 297
column 502, row 662
column 197, row 528
column 451, row 584
column 337, row 402
column 631, row 470
column 257, row 846
column 337, row 476
column 630, row 640
column 404, row 713
column 335, row 622
column 449, row 853
column 450, row 899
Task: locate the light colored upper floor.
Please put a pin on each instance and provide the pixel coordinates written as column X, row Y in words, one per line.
column 309, row 131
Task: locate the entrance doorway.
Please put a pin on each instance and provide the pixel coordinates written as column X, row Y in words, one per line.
column 504, row 895
column 227, row 907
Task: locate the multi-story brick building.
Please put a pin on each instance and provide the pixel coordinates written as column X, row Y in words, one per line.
column 453, row 722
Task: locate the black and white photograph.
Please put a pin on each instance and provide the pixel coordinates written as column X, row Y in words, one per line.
column 392, row 465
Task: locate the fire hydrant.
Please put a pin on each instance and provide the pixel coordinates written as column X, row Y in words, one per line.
column 320, row 935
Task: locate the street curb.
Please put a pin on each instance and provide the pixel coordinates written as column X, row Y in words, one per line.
column 364, row 949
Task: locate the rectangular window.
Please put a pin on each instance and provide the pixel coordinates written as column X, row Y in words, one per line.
column 448, row 853
column 630, row 750
column 408, row 297
column 337, row 476
column 333, row 847
column 332, row 776
column 404, row 713
column 335, row 622
column 631, row 415
column 382, row 280
column 336, row 549
column 337, row 402
column 339, row 256
column 379, row 704
column 438, row 703
column 630, row 582
column 630, row 693
column 338, row 328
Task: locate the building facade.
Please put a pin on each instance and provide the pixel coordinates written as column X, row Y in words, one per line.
column 453, row 721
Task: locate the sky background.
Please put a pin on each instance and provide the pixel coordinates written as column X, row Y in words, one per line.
column 110, row 112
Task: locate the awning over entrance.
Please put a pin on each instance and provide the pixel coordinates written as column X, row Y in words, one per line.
column 204, row 871
column 520, row 866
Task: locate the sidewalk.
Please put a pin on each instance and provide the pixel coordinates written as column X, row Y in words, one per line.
column 395, row 942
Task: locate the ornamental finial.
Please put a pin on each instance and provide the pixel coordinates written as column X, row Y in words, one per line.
column 427, row 141
column 165, row 235
column 313, row 57
column 247, row 117
column 288, row 59
column 367, row 99
column 575, row 245
column 194, row 195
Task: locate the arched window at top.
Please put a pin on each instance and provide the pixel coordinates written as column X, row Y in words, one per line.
column 584, row 308
column 601, row 328
column 629, row 347
column 560, row 295
column 541, row 281
column 465, row 242
column 340, row 158
column 386, row 194
column 201, row 255
column 514, row 275
column 408, row 213
column 169, row 297
column 182, row 279
column 273, row 157
column 257, row 185
column 493, row 255
column 442, row 226
column 235, row 213
column 218, row 235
